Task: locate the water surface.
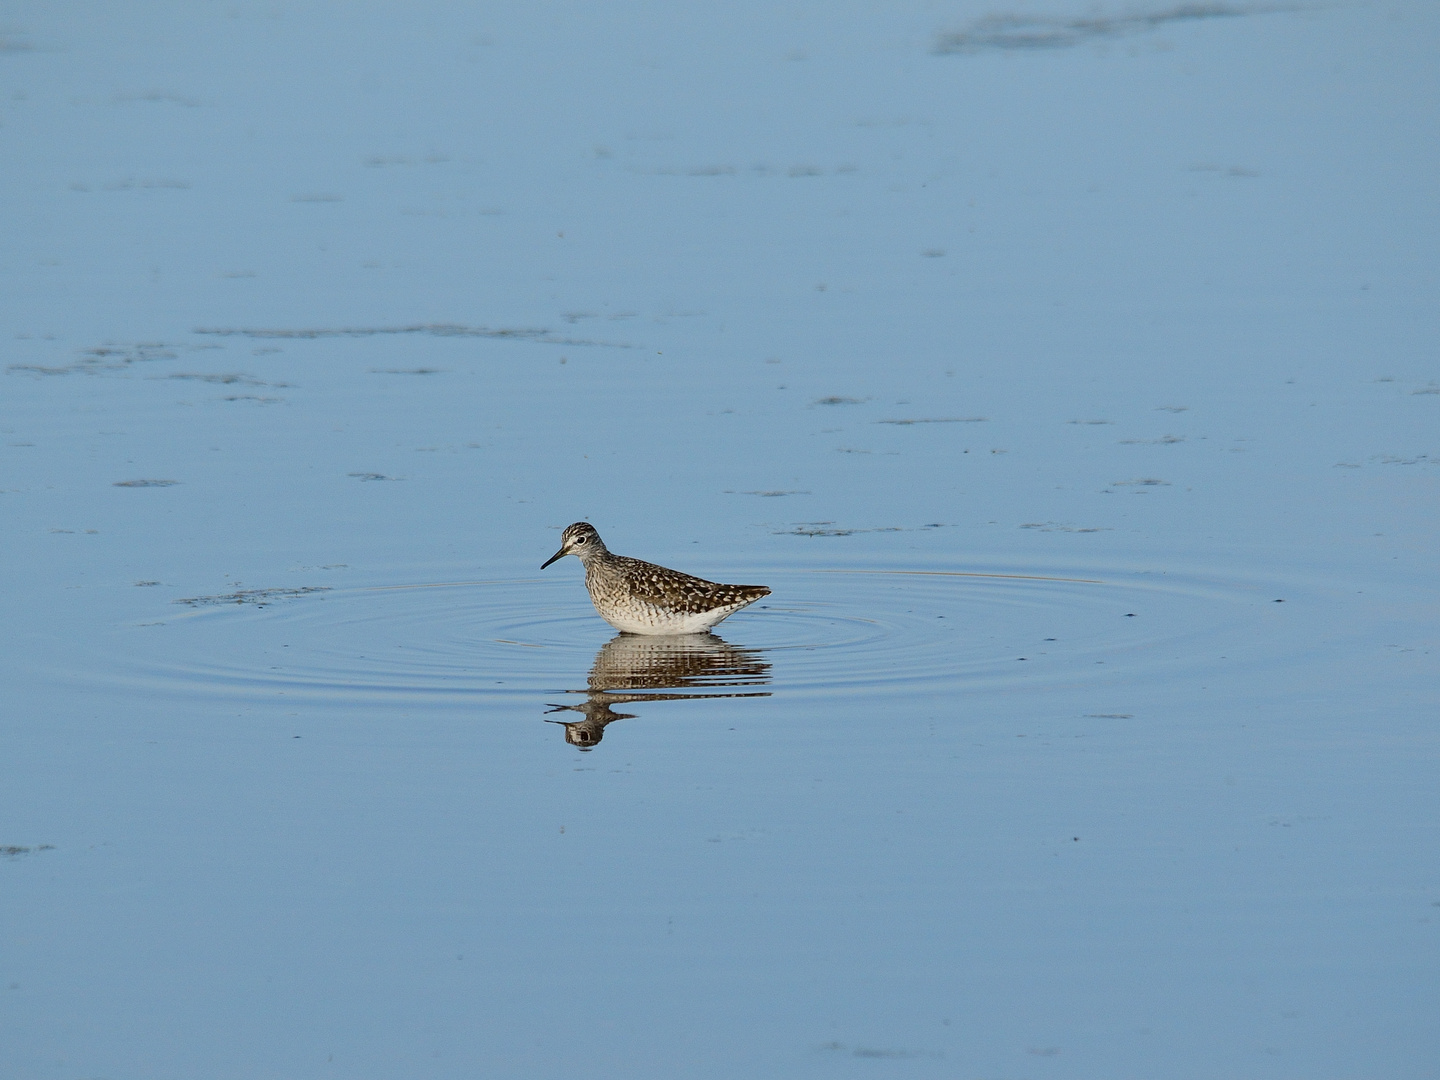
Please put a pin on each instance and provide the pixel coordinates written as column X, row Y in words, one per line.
column 1068, row 375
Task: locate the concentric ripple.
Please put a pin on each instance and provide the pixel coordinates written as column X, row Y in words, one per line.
column 821, row 632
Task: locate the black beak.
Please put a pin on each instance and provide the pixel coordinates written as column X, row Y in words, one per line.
column 558, row 555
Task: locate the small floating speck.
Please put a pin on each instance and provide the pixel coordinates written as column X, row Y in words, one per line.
column 145, row 483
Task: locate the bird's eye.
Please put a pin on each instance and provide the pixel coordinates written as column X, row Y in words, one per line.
column 579, row 540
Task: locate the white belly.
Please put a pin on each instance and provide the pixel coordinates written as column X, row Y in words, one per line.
column 635, row 619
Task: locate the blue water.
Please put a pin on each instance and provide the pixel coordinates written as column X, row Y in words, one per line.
column 1068, row 373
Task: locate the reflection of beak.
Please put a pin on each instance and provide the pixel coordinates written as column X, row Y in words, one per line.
column 559, row 554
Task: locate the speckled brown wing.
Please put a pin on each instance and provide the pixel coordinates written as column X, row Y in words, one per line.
column 674, row 591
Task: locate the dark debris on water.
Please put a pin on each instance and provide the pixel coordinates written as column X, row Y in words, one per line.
column 827, row 528
column 14, row 851
column 1021, row 32
column 258, row 597
column 536, row 334
column 107, row 357
column 906, row 422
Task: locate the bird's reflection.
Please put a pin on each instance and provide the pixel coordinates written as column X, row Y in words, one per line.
column 634, row 668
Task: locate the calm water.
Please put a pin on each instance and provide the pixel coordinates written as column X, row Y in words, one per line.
column 1069, row 374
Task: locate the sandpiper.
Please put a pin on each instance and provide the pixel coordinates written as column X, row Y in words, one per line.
column 641, row 598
